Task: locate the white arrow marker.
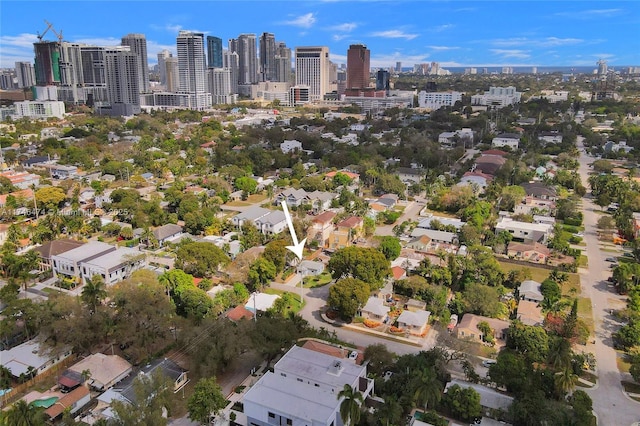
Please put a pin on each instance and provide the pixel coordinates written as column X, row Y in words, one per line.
column 296, row 248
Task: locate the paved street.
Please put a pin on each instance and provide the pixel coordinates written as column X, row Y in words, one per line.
column 610, row 403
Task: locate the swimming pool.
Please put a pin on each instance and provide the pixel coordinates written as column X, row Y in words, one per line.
column 46, row 402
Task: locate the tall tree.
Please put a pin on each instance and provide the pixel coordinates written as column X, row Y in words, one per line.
column 428, row 389
column 347, row 295
column 153, row 395
column 207, row 400
column 94, row 292
column 350, row 406
column 22, row 414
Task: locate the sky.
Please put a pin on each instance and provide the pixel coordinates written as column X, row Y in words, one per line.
column 454, row 33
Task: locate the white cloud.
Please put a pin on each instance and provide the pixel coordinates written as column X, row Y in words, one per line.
column 511, row 53
column 541, row 42
column 591, row 13
column 347, row 27
column 338, row 37
column 443, row 48
column 97, row 41
column 303, row 21
column 394, row 34
column 17, row 48
column 441, row 28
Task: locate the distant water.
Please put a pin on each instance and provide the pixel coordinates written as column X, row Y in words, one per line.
column 527, row 70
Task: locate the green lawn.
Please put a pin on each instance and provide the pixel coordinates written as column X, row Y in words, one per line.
column 50, row 290
column 585, row 312
column 631, row 387
column 317, row 281
column 570, row 288
column 622, row 363
column 295, row 305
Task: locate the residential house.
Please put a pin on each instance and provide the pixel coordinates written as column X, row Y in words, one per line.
column 310, row 268
column 439, row 240
column 540, row 190
column 59, row 171
column 289, row 146
column 449, row 139
column 488, row 164
column 239, row 313
column 415, row 305
column 105, row 371
column 398, row 273
column 30, row 358
column 510, row 140
column 550, row 137
column 444, row 221
column 530, row 252
column 293, row 197
column 525, row 231
column 495, row 405
column 531, row 205
column 467, row 328
column 249, row 215
column 375, row 310
column 345, row 232
column 321, row 229
column 21, row 180
column 67, row 264
column 303, row 390
column 51, row 248
column 21, row 196
column 113, row 266
column 530, row 290
column 261, row 302
column 166, row 233
column 124, row 390
column 611, row 146
column 73, row 401
column 477, row 180
column 410, row 175
column 272, row 223
column 415, row 322
column 421, row 244
column 529, row 313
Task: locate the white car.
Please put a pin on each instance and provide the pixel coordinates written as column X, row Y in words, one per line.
column 353, row 355
column 488, row 362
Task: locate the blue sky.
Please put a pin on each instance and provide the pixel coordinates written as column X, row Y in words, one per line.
column 454, row 33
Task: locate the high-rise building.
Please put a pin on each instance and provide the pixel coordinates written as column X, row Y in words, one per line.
column 267, row 57
column 230, row 62
column 283, row 63
column 245, row 47
column 138, row 45
column 398, row 67
column 122, row 71
column 312, row 69
column 162, row 68
column 358, row 64
column 382, row 80
column 214, row 52
column 602, row 67
column 220, row 86
column 26, row 74
column 191, row 69
column 172, row 74
column 94, row 79
column 47, row 63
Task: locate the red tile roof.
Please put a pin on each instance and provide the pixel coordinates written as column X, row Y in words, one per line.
column 351, row 222
column 324, row 217
column 397, row 272
column 238, row 313
column 324, row 348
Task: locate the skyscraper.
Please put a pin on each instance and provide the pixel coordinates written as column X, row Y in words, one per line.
column 382, row 80
column 358, row 64
column 138, row 45
column 220, row 86
column 191, row 69
column 283, row 63
column 245, row 47
column 267, row 57
column 172, row 74
column 26, row 74
column 47, row 63
column 214, row 52
column 122, row 71
column 230, row 62
column 162, row 68
column 312, row 69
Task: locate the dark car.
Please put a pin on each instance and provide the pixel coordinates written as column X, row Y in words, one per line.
column 611, row 259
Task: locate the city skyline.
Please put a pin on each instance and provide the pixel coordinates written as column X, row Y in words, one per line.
column 455, row 34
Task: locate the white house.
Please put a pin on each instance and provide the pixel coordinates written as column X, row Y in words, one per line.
column 530, row 290
column 536, row 232
column 68, row 264
column 249, row 215
column 550, row 137
column 30, row 357
column 290, row 146
column 303, row 390
column 113, row 266
column 273, row 223
column 506, row 139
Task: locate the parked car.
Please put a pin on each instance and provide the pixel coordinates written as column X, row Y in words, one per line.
column 353, row 355
column 611, row 259
column 489, row 362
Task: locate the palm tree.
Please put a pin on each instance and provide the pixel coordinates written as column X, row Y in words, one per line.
column 565, row 380
column 23, row 414
column 93, row 292
column 428, row 389
column 390, row 412
column 559, row 356
column 350, row 405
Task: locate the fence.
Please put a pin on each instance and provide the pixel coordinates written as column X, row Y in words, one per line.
column 17, row 391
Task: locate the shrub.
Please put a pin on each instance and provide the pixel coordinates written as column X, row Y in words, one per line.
column 372, row 324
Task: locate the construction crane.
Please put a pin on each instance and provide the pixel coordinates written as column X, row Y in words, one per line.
column 58, row 34
column 49, row 25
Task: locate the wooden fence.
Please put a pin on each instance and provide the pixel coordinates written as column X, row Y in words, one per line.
column 20, row 389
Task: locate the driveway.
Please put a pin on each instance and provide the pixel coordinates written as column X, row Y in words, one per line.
column 610, row 403
column 410, row 212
